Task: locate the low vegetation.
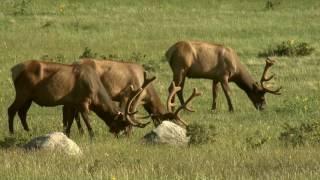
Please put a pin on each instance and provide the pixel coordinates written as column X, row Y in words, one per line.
column 288, row 48
column 201, row 134
column 247, row 144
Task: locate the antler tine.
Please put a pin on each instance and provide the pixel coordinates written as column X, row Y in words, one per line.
column 174, row 90
column 146, row 80
column 269, row 63
column 275, row 92
column 136, row 95
column 194, row 94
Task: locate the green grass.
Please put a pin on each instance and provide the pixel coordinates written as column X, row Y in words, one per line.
column 126, row 28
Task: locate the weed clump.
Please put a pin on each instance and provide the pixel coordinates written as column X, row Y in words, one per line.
column 21, row 7
column 306, row 133
column 201, row 134
column 256, row 140
column 58, row 58
column 88, row 53
column 288, row 48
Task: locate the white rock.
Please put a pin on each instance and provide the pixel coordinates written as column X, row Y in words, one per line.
column 168, row 133
column 56, row 141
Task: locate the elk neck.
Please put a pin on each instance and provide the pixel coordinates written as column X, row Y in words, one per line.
column 153, row 102
column 243, row 79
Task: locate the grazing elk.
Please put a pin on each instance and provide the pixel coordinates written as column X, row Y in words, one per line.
column 76, row 86
column 219, row 63
column 117, row 77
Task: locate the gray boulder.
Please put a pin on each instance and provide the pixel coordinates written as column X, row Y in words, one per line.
column 56, row 141
column 167, row 133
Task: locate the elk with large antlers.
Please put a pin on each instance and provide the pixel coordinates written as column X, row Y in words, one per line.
column 76, row 86
column 220, row 64
column 120, row 79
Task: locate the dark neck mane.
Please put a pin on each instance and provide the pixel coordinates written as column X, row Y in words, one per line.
column 243, row 79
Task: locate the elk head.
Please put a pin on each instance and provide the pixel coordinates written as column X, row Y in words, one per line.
column 259, row 90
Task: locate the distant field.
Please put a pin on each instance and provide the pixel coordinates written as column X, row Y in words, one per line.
column 141, row 31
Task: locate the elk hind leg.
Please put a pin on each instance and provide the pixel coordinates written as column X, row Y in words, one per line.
column 22, row 112
column 12, row 110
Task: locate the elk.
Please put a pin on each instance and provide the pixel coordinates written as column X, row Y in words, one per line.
column 120, row 79
column 221, row 64
column 76, row 86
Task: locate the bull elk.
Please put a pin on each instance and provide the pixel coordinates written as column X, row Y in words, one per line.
column 220, row 64
column 76, row 86
column 120, row 79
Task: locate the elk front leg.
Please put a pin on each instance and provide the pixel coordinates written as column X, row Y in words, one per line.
column 77, row 118
column 85, row 117
column 68, row 116
column 215, row 89
column 226, row 91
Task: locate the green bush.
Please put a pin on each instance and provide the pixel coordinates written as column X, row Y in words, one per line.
column 256, row 140
column 288, row 48
column 306, row 133
column 88, row 53
column 201, row 134
column 21, row 7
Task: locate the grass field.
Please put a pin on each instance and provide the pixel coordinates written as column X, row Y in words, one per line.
column 142, row 31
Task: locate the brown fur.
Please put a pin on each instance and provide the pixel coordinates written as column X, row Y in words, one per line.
column 116, row 77
column 221, row 64
column 75, row 86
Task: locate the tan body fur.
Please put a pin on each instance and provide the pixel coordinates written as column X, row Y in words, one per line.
column 75, row 86
column 117, row 76
column 221, row 64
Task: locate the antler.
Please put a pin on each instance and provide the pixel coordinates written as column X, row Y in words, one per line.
column 264, row 78
column 175, row 115
column 135, row 97
column 174, row 90
column 194, row 94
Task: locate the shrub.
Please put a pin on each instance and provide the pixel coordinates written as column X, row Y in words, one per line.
column 288, row 48
column 87, row 53
column 58, row 58
column 270, row 5
column 306, row 133
column 201, row 134
column 256, row 140
column 20, row 7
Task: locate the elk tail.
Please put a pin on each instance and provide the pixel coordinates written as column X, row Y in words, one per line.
column 16, row 71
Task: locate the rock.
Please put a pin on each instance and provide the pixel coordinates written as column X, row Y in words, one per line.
column 56, row 141
column 167, row 133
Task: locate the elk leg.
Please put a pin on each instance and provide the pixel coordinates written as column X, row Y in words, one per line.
column 12, row 110
column 77, row 118
column 215, row 89
column 23, row 114
column 68, row 115
column 226, row 91
column 11, row 113
column 85, row 117
column 179, row 80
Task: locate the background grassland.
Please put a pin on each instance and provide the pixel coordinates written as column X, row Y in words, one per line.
column 131, row 29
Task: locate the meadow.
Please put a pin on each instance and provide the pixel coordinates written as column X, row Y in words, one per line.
column 247, row 144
